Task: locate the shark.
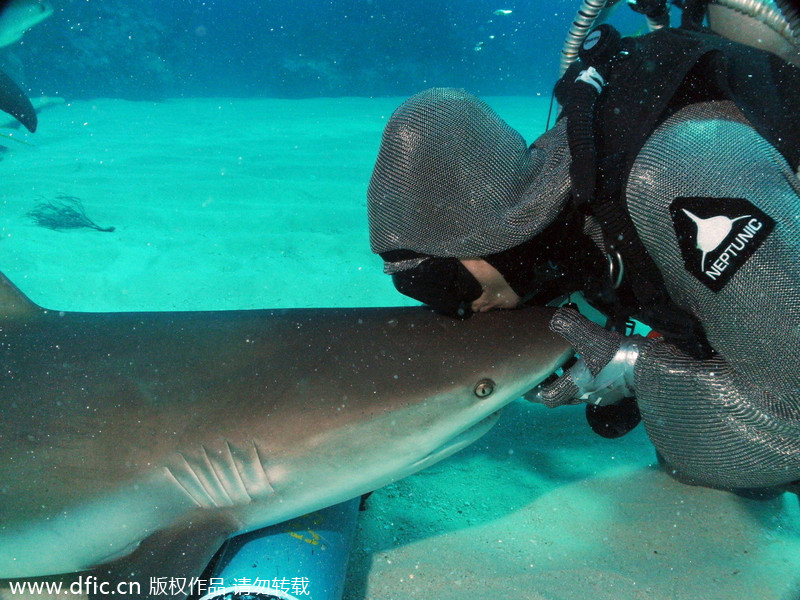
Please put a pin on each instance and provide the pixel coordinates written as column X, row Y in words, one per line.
column 16, row 17
column 132, row 445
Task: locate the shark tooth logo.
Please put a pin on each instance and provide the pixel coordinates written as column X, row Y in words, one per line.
column 711, row 232
column 718, row 235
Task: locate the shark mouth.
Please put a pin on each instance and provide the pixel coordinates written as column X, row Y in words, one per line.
column 459, row 441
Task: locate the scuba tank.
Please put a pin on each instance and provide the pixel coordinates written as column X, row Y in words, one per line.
column 755, row 23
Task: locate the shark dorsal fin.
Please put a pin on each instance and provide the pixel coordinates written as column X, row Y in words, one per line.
column 13, row 303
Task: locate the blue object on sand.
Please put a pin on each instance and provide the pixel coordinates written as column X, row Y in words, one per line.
column 302, row 558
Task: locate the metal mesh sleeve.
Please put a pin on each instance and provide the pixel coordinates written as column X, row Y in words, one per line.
column 733, row 421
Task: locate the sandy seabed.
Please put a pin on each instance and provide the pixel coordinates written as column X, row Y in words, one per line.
column 259, row 203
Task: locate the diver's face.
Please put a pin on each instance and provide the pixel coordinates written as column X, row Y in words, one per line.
column 496, row 291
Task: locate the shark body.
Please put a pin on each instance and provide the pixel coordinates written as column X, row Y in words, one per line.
column 16, row 17
column 135, row 443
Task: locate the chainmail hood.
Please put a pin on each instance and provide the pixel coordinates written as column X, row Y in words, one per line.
column 452, row 179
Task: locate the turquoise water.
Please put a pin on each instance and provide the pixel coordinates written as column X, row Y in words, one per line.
column 151, row 49
column 230, row 145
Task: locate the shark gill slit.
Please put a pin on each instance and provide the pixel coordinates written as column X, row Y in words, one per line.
column 260, row 461
column 180, row 484
column 194, row 481
column 213, row 475
column 231, row 476
column 231, row 465
column 236, row 469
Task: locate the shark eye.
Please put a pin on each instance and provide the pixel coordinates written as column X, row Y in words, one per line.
column 484, row 388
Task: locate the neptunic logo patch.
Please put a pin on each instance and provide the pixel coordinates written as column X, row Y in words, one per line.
column 717, row 236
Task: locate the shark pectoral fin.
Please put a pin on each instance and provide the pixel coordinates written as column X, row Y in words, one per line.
column 14, row 101
column 167, row 563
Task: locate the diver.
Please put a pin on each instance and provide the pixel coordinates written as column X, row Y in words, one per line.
column 666, row 192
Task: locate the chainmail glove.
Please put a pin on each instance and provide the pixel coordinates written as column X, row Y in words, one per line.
column 604, row 372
